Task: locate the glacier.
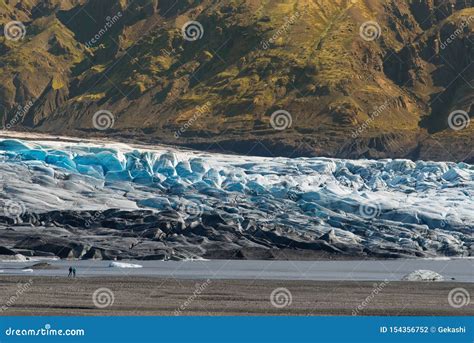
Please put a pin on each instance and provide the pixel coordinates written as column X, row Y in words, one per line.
column 163, row 202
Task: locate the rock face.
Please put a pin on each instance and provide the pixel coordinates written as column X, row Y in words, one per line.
column 360, row 79
column 6, row 252
column 59, row 199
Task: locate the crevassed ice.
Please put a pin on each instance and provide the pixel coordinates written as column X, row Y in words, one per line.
column 319, row 194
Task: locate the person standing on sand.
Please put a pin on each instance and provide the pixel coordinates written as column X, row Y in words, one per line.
column 73, row 272
column 70, row 272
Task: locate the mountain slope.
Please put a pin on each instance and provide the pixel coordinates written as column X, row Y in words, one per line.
column 347, row 92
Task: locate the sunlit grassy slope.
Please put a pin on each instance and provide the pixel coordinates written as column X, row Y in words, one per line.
column 255, row 57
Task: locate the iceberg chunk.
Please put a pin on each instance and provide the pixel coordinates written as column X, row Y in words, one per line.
column 423, row 275
column 124, row 265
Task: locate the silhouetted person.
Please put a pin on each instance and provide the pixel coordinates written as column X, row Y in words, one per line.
column 73, row 272
column 70, row 272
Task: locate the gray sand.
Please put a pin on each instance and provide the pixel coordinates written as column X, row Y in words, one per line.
column 22, row 295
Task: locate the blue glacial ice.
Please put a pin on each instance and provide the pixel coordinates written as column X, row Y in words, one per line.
column 425, row 208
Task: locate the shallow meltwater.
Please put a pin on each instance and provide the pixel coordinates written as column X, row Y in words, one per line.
column 460, row 270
